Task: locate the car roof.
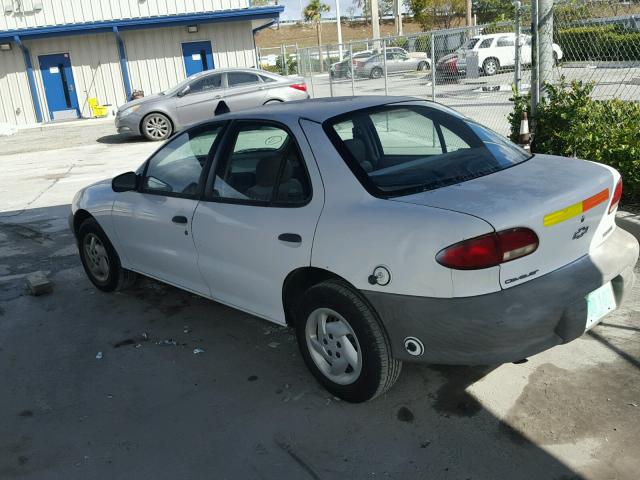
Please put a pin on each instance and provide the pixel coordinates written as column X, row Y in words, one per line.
column 494, row 35
column 316, row 109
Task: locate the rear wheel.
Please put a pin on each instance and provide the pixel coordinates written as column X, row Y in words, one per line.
column 347, row 73
column 490, row 66
column 376, row 72
column 156, row 126
column 100, row 260
column 423, row 66
column 343, row 343
column 272, row 101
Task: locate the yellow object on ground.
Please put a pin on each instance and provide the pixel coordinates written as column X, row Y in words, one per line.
column 96, row 109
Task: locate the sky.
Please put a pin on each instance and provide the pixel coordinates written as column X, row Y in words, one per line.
column 293, row 8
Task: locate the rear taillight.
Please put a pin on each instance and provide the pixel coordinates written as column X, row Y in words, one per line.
column 299, row 86
column 617, row 194
column 489, row 250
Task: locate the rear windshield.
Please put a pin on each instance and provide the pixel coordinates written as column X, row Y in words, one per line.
column 399, row 150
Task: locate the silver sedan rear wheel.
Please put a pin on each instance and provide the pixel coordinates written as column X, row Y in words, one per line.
column 333, row 346
column 156, row 126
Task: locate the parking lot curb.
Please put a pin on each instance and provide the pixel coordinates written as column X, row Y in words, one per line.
column 630, row 222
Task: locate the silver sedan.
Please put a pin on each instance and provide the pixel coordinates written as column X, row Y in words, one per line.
column 204, row 95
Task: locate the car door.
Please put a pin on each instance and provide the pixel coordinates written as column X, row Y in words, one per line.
column 261, row 209
column 505, row 50
column 200, row 100
column 153, row 224
column 525, row 49
column 244, row 90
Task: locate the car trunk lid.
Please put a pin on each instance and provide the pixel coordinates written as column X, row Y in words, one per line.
column 564, row 201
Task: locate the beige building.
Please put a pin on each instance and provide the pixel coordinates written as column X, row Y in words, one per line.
column 58, row 55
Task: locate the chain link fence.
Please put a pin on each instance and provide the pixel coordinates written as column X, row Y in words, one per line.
column 475, row 69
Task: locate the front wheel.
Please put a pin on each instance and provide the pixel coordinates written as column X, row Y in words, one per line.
column 100, row 260
column 490, row 66
column 344, row 344
column 156, row 127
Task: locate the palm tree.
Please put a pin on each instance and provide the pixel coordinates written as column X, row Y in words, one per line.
column 313, row 13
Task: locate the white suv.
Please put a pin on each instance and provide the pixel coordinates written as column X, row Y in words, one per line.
column 498, row 51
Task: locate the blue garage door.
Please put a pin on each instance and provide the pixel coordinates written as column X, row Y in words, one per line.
column 59, row 87
column 198, row 56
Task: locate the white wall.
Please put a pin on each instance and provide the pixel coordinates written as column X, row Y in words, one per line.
column 16, row 105
column 57, row 12
column 155, row 56
column 94, row 63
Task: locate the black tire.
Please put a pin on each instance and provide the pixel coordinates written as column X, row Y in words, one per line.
column 156, row 127
column 376, row 72
column 379, row 370
column 117, row 278
column 555, row 58
column 272, row 101
column 422, row 66
column 490, row 66
column 347, row 74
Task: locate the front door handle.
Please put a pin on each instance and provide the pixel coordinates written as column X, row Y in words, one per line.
column 179, row 219
column 290, row 237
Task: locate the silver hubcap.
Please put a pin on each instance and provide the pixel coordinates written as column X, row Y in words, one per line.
column 157, row 127
column 490, row 68
column 333, row 346
column 96, row 257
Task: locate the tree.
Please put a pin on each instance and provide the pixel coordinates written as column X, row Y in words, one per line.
column 313, row 13
column 488, row 11
column 437, row 13
column 385, row 7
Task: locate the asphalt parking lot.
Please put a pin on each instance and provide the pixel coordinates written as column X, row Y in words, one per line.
column 246, row 407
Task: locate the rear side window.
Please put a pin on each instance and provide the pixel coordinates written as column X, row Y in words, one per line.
column 263, row 167
column 398, row 150
column 506, row 42
column 236, row 79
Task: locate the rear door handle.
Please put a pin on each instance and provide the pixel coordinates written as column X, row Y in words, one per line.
column 179, row 219
column 290, row 237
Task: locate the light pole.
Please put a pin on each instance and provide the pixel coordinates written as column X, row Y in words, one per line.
column 375, row 23
column 517, row 74
column 339, row 25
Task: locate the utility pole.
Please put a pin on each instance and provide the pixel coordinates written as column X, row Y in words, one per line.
column 397, row 17
column 339, row 25
column 469, row 13
column 375, row 22
column 545, row 48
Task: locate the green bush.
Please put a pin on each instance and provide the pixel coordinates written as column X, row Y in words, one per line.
column 606, row 42
column 570, row 123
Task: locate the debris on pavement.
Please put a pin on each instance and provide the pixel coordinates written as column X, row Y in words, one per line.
column 196, row 351
column 99, row 356
column 167, row 342
column 38, row 283
column 144, row 337
column 274, row 344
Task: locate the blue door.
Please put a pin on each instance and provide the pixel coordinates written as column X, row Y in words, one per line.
column 59, row 87
column 197, row 56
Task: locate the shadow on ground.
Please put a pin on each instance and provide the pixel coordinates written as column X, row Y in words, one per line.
column 119, row 139
column 244, row 408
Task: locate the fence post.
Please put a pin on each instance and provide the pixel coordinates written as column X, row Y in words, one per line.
column 283, row 54
column 298, row 59
column 329, row 69
column 384, row 65
column 433, row 67
column 535, row 71
column 353, row 74
column 313, row 92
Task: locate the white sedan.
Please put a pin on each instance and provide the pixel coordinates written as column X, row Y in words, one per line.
column 383, row 229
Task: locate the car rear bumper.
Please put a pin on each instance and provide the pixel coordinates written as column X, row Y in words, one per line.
column 510, row 324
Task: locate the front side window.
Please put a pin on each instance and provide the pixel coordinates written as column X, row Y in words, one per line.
column 177, row 168
column 398, row 150
column 240, row 79
column 209, row 82
column 486, row 43
column 263, row 167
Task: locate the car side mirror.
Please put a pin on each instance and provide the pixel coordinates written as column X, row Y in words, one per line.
column 125, row 182
column 184, row 91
